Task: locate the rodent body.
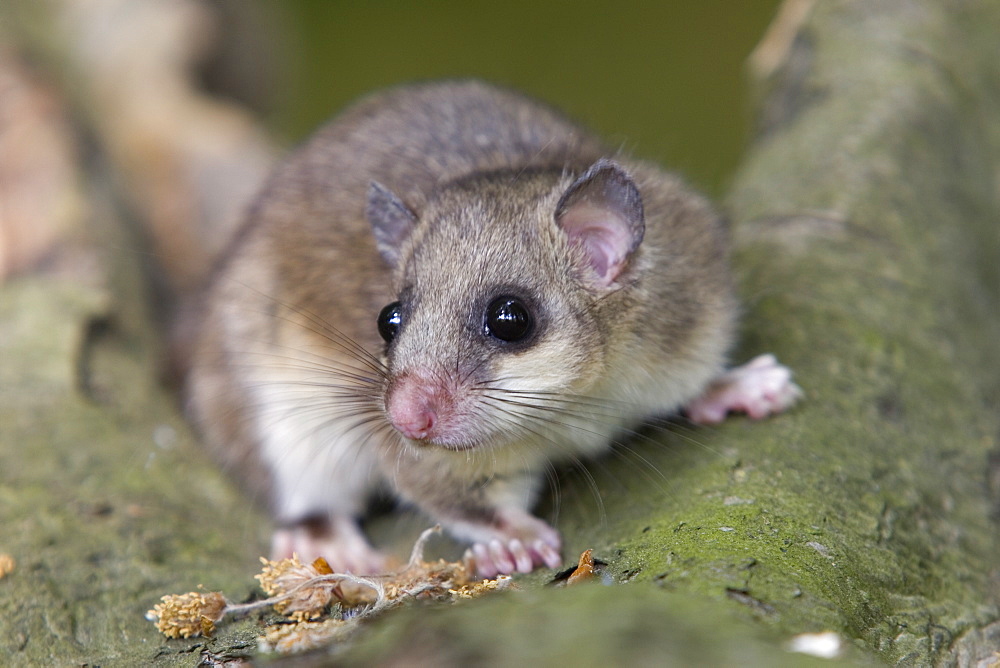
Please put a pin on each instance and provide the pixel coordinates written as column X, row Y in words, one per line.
column 545, row 293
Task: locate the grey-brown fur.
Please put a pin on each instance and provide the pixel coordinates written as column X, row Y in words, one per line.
column 482, row 170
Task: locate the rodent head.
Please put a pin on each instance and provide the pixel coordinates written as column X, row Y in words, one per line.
column 501, row 281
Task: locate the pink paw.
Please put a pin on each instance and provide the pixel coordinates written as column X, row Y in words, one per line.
column 521, row 544
column 498, row 558
column 759, row 388
column 340, row 542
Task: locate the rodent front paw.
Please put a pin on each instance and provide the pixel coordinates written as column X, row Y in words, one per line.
column 520, row 544
column 498, row 558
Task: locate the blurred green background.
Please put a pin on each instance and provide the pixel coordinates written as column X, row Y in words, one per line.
column 666, row 80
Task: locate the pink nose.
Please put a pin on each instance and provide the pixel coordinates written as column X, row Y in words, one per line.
column 412, row 421
column 414, row 405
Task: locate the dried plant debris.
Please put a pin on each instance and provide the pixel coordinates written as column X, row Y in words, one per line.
column 303, row 636
column 587, row 568
column 584, row 569
column 7, row 565
column 308, row 593
column 187, row 615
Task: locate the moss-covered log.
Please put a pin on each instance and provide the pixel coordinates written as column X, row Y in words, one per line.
column 867, row 219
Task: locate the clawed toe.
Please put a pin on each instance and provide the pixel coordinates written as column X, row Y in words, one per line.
column 506, row 557
column 549, row 555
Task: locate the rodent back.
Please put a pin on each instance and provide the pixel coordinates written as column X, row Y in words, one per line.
column 415, row 138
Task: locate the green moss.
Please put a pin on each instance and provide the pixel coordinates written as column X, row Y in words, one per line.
column 105, row 506
column 582, row 626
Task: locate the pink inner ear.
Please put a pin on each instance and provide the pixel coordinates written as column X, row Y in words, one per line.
column 603, row 235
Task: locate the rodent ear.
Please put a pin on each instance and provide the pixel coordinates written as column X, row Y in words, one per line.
column 601, row 213
column 391, row 221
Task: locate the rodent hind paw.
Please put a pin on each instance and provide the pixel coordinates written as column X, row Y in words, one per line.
column 761, row 387
column 339, row 541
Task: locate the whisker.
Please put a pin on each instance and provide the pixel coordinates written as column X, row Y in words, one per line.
column 509, row 416
column 305, row 359
column 620, row 446
column 321, row 327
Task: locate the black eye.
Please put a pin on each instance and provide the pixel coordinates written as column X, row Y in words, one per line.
column 389, row 319
column 508, row 319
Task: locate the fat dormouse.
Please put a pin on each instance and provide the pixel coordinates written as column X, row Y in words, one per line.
column 446, row 291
